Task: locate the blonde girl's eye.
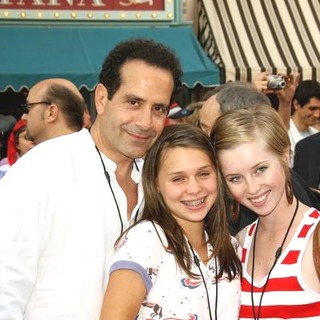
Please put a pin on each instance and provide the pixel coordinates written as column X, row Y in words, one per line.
column 262, row 169
column 233, row 179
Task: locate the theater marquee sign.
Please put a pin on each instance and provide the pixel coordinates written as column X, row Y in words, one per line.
column 106, row 10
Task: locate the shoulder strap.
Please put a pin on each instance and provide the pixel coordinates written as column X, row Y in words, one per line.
column 316, row 249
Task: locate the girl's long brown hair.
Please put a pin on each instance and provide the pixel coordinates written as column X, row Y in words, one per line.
column 156, row 210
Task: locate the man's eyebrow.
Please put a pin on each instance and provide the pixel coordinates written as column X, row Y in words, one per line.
column 133, row 97
column 164, row 105
column 139, row 99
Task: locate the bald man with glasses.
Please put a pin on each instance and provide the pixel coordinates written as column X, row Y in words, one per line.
column 54, row 107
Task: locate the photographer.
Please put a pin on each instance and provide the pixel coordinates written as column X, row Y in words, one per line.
column 284, row 96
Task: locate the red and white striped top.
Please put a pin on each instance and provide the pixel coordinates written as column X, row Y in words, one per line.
column 286, row 296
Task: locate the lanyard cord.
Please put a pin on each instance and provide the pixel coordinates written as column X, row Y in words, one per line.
column 277, row 255
column 111, row 189
column 106, row 174
column 197, row 262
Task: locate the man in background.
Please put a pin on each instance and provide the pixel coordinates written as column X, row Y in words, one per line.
column 306, row 113
column 54, row 108
column 228, row 96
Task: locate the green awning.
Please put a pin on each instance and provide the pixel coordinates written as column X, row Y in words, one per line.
column 31, row 53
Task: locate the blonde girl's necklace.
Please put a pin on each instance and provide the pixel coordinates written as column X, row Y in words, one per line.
column 276, row 257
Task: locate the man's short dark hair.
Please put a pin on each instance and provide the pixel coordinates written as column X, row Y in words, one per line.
column 149, row 51
column 306, row 90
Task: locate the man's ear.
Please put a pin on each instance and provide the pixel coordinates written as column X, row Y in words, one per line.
column 100, row 98
column 52, row 113
column 295, row 104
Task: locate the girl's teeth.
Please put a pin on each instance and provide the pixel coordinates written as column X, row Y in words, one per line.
column 194, row 203
column 260, row 199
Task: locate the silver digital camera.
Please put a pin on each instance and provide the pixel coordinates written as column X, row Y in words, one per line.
column 276, row 82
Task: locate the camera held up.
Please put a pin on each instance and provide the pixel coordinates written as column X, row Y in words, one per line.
column 276, row 82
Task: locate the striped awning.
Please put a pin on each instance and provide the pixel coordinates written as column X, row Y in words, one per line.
column 245, row 37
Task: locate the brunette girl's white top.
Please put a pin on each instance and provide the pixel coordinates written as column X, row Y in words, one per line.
column 171, row 293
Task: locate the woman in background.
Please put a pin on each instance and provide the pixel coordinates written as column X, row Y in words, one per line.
column 18, row 145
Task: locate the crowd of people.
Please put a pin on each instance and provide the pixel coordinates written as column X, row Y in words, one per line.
column 158, row 211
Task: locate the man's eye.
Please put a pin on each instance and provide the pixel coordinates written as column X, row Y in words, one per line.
column 314, row 108
column 133, row 102
column 160, row 109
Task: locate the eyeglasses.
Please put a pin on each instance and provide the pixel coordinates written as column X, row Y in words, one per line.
column 27, row 106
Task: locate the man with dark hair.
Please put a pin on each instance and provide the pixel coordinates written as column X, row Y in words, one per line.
column 81, row 190
column 306, row 112
column 152, row 53
column 54, row 107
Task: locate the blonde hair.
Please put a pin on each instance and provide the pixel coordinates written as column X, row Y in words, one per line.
column 248, row 124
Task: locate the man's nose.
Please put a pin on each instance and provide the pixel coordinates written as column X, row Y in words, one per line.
column 144, row 119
